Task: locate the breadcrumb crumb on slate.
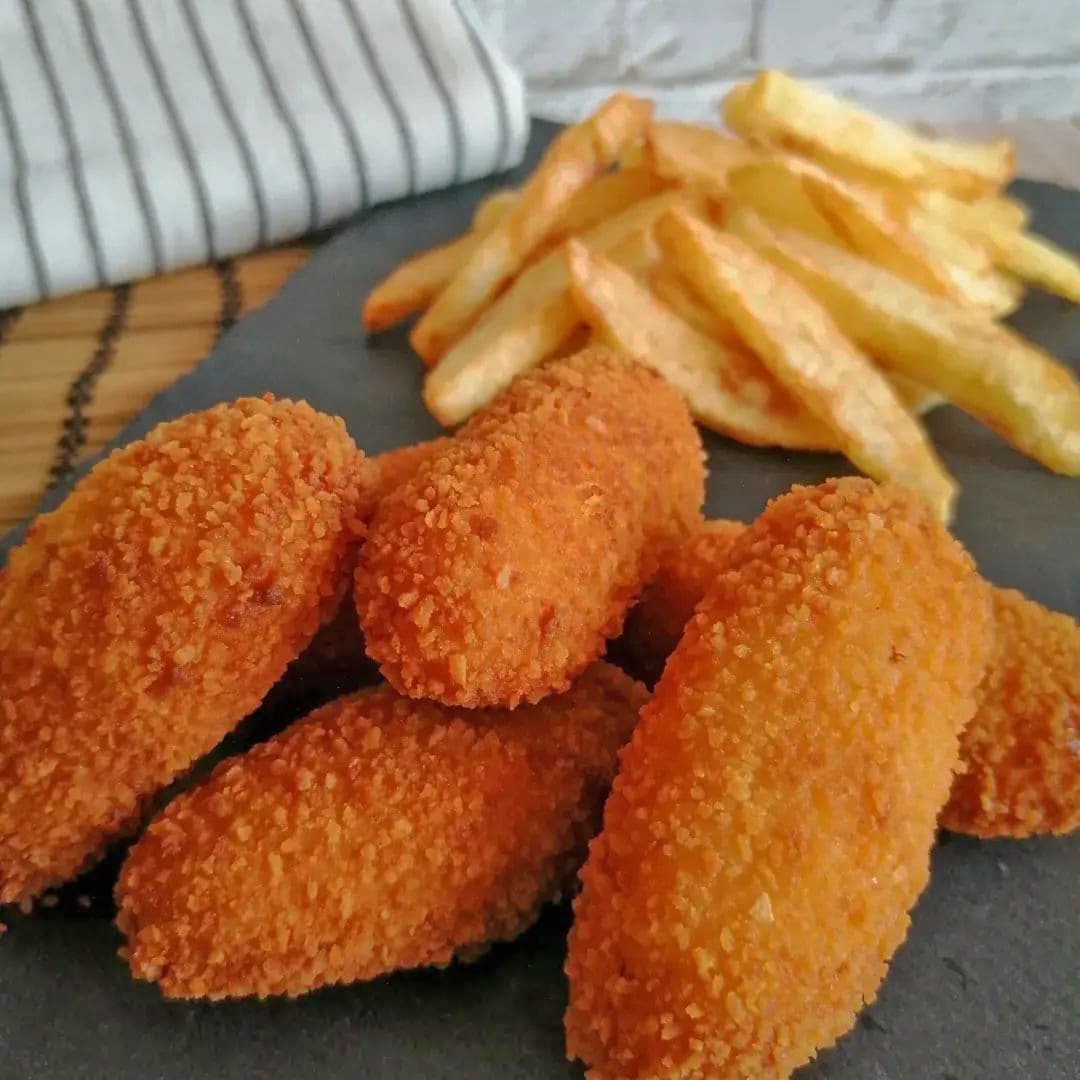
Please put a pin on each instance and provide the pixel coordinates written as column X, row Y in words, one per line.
column 686, row 573
column 380, row 833
column 495, row 575
column 1021, row 751
column 771, row 823
column 153, row 610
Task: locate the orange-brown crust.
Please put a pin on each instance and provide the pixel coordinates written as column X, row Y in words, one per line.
column 686, row 573
column 380, row 833
column 496, row 574
column 153, row 610
column 398, row 466
column 1021, row 751
column 771, row 823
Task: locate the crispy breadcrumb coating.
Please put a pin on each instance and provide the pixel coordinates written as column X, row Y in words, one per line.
column 153, row 610
column 396, row 467
column 1021, row 751
column 686, row 572
column 772, row 819
column 380, row 833
column 495, row 575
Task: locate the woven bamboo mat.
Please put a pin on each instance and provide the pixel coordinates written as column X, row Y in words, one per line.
column 73, row 371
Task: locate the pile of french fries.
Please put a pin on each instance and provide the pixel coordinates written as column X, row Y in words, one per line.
column 817, row 279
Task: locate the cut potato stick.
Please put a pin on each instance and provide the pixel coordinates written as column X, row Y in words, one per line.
column 861, row 217
column 690, row 153
column 972, row 219
column 981, row 366
column 778, row 109
column 417, row 281
column 777, row 193
column 727, row 390
column 529, row 321
column 917, row 398
column 1039, row 261
column 606, row 196
column 491, row 209
column 670, row 288
column 803, row 348
column 576, row 156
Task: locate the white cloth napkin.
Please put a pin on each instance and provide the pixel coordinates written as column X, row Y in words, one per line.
column 141, row 135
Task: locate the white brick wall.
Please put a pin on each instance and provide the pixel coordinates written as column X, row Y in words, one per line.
column 937, row 60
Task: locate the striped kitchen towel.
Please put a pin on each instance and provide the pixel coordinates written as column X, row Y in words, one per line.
column 141, row 135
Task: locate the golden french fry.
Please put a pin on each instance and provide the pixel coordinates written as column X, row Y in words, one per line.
column 530, row 320
column 972, row 219
column 777, row 193
column 669, row 287
column 777, row 109
column 690, row 153
column 606, row 196
column 576, row 156
column 862, row 218
column 727, row 390
column 417, row 281
column 1037, row 260
column 803, row 348
column 917, row 398
column 985, row 368
column 491, row 209
column 632, row 155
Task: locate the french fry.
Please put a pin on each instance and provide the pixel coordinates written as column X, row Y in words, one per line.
column 1037, row 260
column 606, row 196
column 777, row 193
column 576, row 156
column 670, row 288
column 972, row 219
column 690, row 153
column 806, row 352
column 981, row 366
column 777, row 109
column 529, row 321
column 727, row 390
column 417, row 281
column 917, row 399
column 491, row 209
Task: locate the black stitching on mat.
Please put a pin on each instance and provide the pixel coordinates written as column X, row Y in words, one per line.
column 232, row 296
column 7, row 321
column 81, row 392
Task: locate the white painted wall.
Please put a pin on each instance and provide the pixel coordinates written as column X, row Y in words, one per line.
column 939, row 60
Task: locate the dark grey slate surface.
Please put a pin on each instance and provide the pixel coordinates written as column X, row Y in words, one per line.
column 987, row 985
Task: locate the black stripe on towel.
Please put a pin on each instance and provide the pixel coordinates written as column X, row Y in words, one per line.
column 457, row 131
column 187, row 151
column 22, row 200
column 356, row 151
column 498, row 91
column 123, row 133
column 71, row 145
column 287, row 118
column 386, row 87
column 231, row 121
column 81, row 392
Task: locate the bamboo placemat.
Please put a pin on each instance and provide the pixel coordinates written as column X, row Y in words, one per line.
column 73, row 371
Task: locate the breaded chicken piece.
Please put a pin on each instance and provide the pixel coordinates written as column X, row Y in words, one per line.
column 153, row 610
column 1021, row 751
column 685, row 574
column 495, row 575
column 380, row 833
column 396, row 467
column 771, row 823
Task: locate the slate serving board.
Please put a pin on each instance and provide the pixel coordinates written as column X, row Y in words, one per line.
column 988, row 983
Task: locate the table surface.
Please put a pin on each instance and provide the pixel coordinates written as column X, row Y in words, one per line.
column 73, row 371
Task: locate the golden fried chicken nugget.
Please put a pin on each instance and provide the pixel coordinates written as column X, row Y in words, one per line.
column 685, row 575
column 771, row 824
column 396, row 467
column 380, row 833
column 153, row 610
column 495, row 575
column 1021, row 751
